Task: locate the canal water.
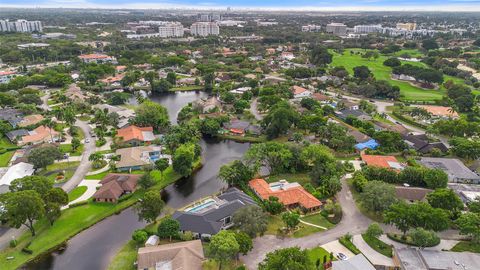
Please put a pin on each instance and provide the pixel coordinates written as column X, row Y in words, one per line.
column 93, row 248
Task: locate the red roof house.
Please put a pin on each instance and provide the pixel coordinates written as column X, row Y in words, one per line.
column 389, row 162
column 136, row 135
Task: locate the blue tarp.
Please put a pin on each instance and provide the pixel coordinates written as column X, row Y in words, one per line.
column 370, row 144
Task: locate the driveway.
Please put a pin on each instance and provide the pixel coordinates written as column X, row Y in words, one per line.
column 254, row 110
column 85, row 165
column 373, row 256
column 335, row 247
column 353, row 222
column 91, row 189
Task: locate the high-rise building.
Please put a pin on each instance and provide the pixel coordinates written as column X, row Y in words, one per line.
column 407, row 26
column 20, row 26
column 204, row 29
column 365, row 29
column 171, row 30
column 338, row 29
column 311, row 28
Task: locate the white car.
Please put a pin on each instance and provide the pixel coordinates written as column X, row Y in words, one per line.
column 87, row 140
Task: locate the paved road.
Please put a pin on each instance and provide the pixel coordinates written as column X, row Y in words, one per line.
column 85, row 164
column 353, row 222
column 44, row 99
column 254, row 110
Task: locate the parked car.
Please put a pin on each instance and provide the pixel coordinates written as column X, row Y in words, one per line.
column 341, row 256
column 87, row 140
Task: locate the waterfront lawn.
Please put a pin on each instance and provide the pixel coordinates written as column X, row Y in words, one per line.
column 467, row 246
column 187, row 88
column 76, row 193
column 378, row 245
column 318, row 253
column 125, row 258
column 71, row 222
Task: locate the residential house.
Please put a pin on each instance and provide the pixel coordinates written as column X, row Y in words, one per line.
column 357, row 262
column 134, row 135
column 15, row 135
column 135, row 158
column 369, row 144
column 237, row 127
column 322, row 98
column 440, row 112
column 124, row 115
column 13, row 116
column 300, row 92
column 349, row 105
column 115, row 185
column 421, row 144
column 388, row 162
column 187, row 81
column 291, row 195
column 30, row 120
column 274, row 79
column 19, row 170
column 97, row 58
column 41, row 134
column 360, row 115
column 75, row 93
column 113, row 80
column 457, row 172
column 6, row 76
column 213, row 214
column 240, row 90
column 287, row 56
column 411, row 194
column 207, row 105
column 176, row 256
column 425, row 259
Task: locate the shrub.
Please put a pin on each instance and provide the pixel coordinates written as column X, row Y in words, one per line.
column 27, row 250
column 78, row 204
column 186, row 236
column 140, row 236
column 346, row 241
column 374, row 230
column 13, row 243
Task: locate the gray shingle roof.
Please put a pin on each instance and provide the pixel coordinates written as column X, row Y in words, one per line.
column 452, row 166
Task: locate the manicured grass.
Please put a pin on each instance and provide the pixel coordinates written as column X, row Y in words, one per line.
column 305, row 230
column 466, row 246
column 125, row 258
column 76, row 193
column 5, row 158
column 408, row 240
column 275, row 224
column 98, row 176
column 5, row 143
column 378, row 245
column 68, row 167
column 318, row 253
column 67, row 148
column 243, row 138
column 213, row 265
column 346, row 242
column 71, row 222
column 301, row 178
column 381, row 72
column 319, row 220
column 187, row 88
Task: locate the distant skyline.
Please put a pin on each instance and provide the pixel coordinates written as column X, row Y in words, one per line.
column 341, row 5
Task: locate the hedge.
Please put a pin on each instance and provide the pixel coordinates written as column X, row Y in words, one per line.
column 348, row 244
column 406, row 120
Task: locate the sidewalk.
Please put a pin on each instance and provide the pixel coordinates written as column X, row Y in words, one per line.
column 444, row 244
column 373, row 256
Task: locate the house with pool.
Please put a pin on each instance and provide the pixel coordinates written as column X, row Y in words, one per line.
column 210, row 215
column 135, row 158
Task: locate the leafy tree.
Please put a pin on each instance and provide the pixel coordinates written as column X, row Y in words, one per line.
column 223, row 247
column 52, row 212
column 359, row 181
column 183, row 159
column 279, row 120
column 423, row 238
column 412, row 175
column 389, row 141
column 150, row 206
column 469, row 224
column 172, row 78
column 244, row 241
column 399, row 216
column 392, row 62
column 146, row 180
column 241, row 105
column 435, row 178
column 322, row 164
column 291, row 219
column 23, row 208
column 42, row 185
column 429, row 44
column 361, row 72
column 374, row 230
column 465, row 148
column 273, row 206
column 161, row 86
column 43, row 156
column 474, row 206
column 168, row 227
column 445, row 198
column 236, row 173
column 287, row 258
column 251, row 220
column 150, row 77
column 56, row 195
column 162, row 164
column 378, row 196
column 210, row 127
column 320, row 56
column 140, row 236
column 152, row 114
column 274, row 155
column 75, row 144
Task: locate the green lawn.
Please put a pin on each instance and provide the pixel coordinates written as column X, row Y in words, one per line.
column 98, row 176
column 318, row 253
column 52, row 170
column 76, row 193
column 275, row 226
column 71, row 222
column 5, row 143
column 319, row 220
column 275, row 223
column 213, row 265
column 67, row 148
column 466, row 246
column 381, row 72
column 125, row 258
column 378, row 245
column 5, row 158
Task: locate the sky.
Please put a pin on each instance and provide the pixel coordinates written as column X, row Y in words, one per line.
column 318, row 5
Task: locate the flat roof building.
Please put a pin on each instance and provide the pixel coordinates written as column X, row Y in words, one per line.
column 204, row 29
column 338, row 29
column 415, row 259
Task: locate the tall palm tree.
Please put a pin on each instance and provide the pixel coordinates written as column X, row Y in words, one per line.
column 48, row 122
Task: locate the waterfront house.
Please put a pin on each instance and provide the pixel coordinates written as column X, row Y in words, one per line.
column 115, row 185
column 176, row 256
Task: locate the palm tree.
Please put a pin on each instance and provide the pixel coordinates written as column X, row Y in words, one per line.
column 48, row 122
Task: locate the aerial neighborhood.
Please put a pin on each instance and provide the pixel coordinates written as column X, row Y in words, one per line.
column 190, row 139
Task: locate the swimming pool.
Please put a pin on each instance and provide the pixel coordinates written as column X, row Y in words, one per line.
column 201, row 206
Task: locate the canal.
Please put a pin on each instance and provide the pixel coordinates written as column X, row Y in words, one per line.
column 94, row 248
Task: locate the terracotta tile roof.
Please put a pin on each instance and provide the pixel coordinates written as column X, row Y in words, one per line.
column 287, row 197
column 440, row 110
column 133, row 133
column 93, row 56
column 30, row 120
column 298, row 90
column 320, row 97
column 4, row 73
column 379, row 161
column 39, row 134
